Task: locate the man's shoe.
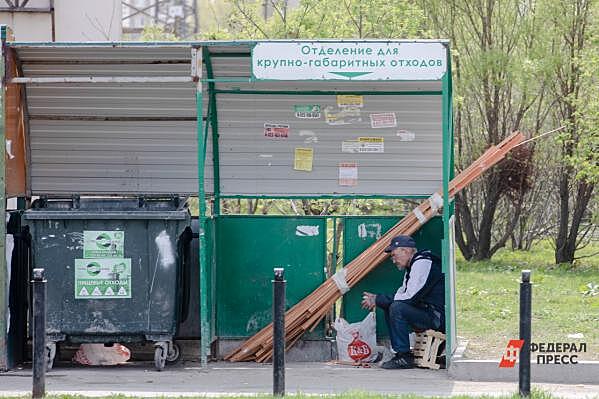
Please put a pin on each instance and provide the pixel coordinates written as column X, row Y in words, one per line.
column 400, row 361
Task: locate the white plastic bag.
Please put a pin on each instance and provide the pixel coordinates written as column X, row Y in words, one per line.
column 100, row 355
column 356, row 342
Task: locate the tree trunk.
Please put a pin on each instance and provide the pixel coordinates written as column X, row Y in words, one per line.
column 476, row 244
column 567, row 235
column 483, row 248
column 465, row 234
column 561, row 250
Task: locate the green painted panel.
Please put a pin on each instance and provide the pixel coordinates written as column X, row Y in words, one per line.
column 248, row 249
column 358, row 234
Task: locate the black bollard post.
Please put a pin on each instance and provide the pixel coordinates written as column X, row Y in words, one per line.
column 525, row 334
column 278, row 312
column 39, row 334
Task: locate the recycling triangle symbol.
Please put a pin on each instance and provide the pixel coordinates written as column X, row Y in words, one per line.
column 122, row 291
column 83, row 292
column 109, row 292
column 96, row 291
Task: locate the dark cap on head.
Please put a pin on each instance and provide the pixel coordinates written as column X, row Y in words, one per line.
column 401, row 242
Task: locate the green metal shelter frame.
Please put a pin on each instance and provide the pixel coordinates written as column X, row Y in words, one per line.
column 212, row 120
column 211, row 86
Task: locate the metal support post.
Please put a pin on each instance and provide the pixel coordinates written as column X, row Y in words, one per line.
column 278, row 312
column 525, row 334
column 39, row 334
column 205, row 330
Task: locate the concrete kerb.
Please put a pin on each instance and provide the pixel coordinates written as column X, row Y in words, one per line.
column 462, row 369
column 585, row 372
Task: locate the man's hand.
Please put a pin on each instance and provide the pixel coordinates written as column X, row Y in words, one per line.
column 368, row 300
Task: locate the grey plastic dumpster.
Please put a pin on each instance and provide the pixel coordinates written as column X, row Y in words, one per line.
column 113, row 270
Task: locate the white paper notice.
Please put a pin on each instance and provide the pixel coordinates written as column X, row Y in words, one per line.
column 348, row 174
column 364, row 145
column 405, row 135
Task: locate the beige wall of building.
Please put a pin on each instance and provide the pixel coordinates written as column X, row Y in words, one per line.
column 74, row 20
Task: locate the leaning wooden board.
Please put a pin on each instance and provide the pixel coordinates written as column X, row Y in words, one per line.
column 307, row 313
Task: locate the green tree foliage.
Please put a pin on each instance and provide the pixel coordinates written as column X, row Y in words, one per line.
column 328, row 19
column 585, row 156
column 571, row 25
column 499, row 88
column 213, row 17
column 155, row 33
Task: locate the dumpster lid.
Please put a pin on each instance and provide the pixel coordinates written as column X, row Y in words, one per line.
column 108, row 208
column 46, row 214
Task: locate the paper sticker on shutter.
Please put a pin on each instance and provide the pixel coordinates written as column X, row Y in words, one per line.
column 303, row 159
column 276, row 130
column 364, row 145
column 383, row 120
column 348, row 174
column 350, row 100
column 372, row 144
column 405, row 135
column 342, row 116
column 307, row 111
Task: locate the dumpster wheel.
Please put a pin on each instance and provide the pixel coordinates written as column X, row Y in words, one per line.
column 160, row 354
column 174, row 353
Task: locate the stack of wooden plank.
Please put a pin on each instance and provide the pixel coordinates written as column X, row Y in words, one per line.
column 307, row 313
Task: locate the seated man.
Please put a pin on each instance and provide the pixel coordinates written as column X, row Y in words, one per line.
column 418, row 304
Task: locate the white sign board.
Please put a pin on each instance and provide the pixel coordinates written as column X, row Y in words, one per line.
column 349, row 61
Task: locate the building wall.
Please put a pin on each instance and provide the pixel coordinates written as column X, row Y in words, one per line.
column 74, row 20
column 88, row 20
column 179, row 17
column 28, row 26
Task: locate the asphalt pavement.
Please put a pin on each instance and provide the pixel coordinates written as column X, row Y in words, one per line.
column 224, row 378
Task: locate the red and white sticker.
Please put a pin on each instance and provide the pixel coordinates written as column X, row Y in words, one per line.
column 383, row 120
column 348, row 173
column 276, row 130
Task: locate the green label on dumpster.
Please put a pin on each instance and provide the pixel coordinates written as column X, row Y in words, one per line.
column 102, row 278
column 103, row 244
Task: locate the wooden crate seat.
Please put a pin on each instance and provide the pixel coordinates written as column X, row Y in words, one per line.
column 426, row 348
